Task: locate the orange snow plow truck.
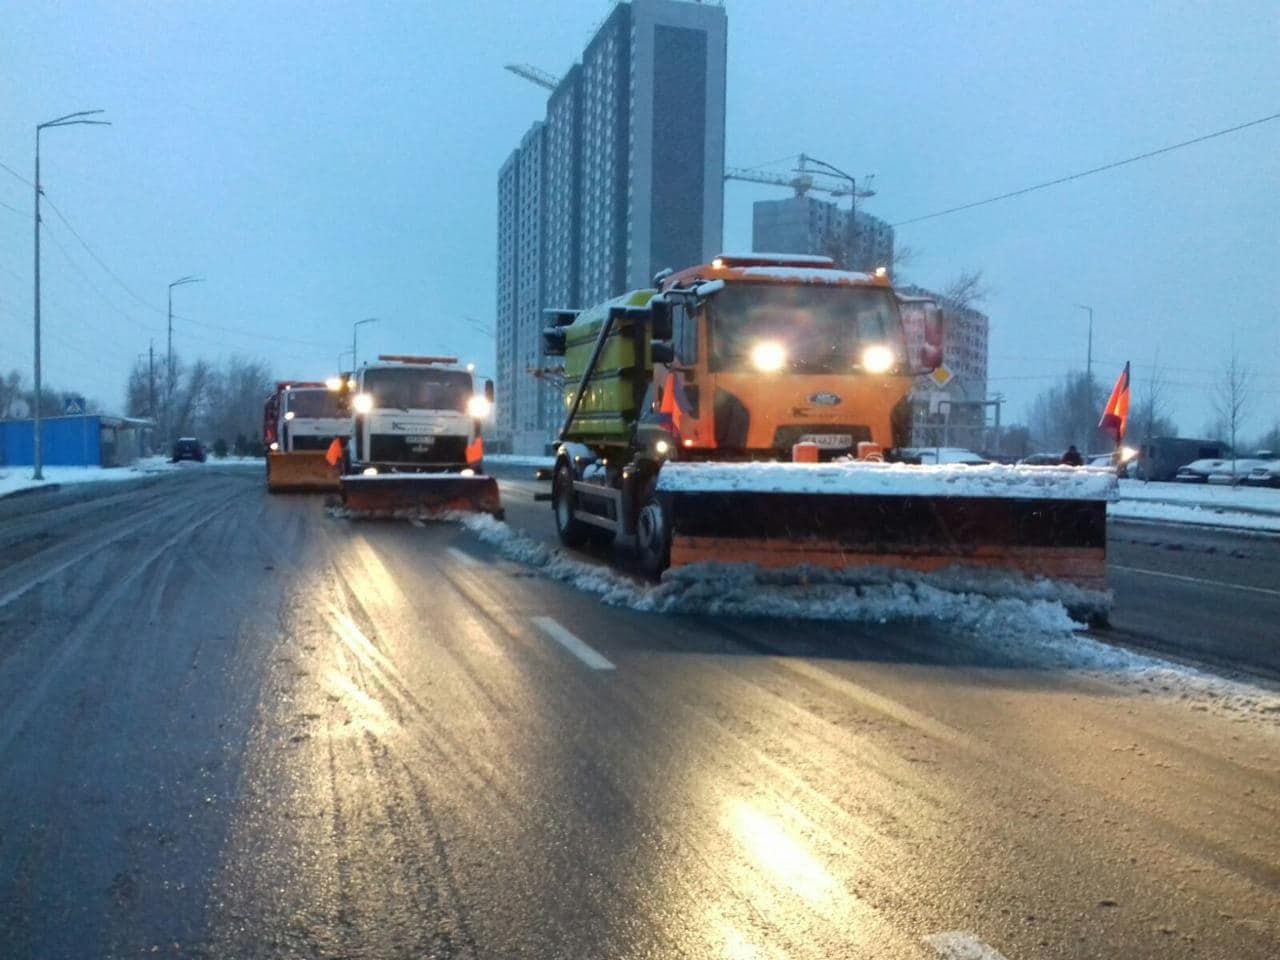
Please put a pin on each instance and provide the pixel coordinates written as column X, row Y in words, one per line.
column 299, row 423
column 752, row 409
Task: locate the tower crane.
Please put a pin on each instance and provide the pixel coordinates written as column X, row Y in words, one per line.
column 534, row 75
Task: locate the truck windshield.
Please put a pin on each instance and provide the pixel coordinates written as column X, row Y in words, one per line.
column 821, row 329
column 313, row 404
column 419, row 388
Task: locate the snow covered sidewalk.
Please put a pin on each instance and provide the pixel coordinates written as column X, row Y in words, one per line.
column 16, row 479
column 1241, row 508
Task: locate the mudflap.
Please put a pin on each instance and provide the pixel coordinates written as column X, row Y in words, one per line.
column 302, row 471
column 413, row 495
column 1055, row 539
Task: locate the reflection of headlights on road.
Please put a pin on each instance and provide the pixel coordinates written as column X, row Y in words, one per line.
column 768, row 356
column 289, row 415
column 478, row 407
column 363, row 402
column 1127, row 454
column 877, row 359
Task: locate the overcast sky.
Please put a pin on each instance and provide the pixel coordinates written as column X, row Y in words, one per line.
column 320, row 162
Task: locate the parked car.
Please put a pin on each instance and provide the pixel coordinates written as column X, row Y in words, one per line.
column 188, row 448
column 942, row 455
column 1198, row 471
column 1234, row 471
column 1041, row 460
column 1266, row 474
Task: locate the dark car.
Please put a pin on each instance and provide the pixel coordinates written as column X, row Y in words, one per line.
column 188, row 448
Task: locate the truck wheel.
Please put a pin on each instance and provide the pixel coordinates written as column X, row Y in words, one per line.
column 572, row 531
column 653, row 539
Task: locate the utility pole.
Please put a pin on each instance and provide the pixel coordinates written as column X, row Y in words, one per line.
column 71, row 119
column 170, row 375
column 151, row 379
column 1088, row 362
column 355, row 328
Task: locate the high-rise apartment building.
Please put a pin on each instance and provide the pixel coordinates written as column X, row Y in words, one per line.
column 805, row 224
column 623, row 177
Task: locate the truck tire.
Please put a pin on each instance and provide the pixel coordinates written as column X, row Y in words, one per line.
column 653, row 538
column 572, row 531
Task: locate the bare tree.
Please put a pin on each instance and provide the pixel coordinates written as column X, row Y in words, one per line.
column 1151, row 413
column 1067, row 414
column 966, row 291
column 10, row 393
column 1231, row 399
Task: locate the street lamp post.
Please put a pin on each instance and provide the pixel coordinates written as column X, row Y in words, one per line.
column 70, row 120
column 355, row 328
column 169, row 375
column 1088, row 362
column 852, row 237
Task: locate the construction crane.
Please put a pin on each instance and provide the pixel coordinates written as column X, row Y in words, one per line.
column 534, row 75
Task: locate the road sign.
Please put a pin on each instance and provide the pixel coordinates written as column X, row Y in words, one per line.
column 942, row 376
column 73, row 406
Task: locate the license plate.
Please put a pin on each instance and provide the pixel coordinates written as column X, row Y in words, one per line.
column 829, row 441
column 420, row 439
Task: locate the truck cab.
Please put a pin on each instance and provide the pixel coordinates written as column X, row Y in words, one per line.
column 412, row 414
column 309, row 416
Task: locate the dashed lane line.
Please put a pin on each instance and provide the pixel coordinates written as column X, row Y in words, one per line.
column 1185, row 579
column 552, row 628
column 464, row 558
column 956, row 945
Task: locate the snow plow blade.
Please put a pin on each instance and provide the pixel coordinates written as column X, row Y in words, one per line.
column 420, row 494
column 1039, row 522
column 307, row 470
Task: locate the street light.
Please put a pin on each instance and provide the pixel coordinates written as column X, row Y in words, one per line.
column 1088, row 368
column 70, row 120
column 169, row 382
column 854, row 194
column 355, row 328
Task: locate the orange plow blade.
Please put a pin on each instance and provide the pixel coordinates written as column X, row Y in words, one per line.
column 1001, row 520
column 304, row 470
column 420, row 494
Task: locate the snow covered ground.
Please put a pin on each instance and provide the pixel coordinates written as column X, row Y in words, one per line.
column 1027, row 624
column 1243, row 508
column 13, row 479
column 517, row 460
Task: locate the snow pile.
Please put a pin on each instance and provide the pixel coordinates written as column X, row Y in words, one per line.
column 892, row 479
column 1244, row 508
column 866, row 595
column 517, row 460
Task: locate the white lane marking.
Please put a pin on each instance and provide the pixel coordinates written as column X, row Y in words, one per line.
column 1185, row 579
column 464, row 558
column 560, row 635
column 957, row 945
column 417, row 521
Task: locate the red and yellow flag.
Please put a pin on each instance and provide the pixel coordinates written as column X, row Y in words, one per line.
column 1115, row 415
column 334, row 454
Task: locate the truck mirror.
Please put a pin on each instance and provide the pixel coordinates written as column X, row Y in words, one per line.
column 488, row 390
column 553, row 342
column 661, row 352
column 661, row 322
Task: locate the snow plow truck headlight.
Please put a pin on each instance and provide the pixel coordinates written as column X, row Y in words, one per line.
column 877, row 359
column 478, row 407
column 363, row 402
column 289, row 415
column 768, row 356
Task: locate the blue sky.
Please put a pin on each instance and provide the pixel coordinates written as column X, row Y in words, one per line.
column 321, row 163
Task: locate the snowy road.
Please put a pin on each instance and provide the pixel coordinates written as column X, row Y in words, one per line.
column 232, row 726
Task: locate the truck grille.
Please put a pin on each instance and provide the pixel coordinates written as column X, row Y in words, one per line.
column 312, row 443
column 443, row 451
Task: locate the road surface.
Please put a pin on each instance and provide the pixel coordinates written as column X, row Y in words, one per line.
column 232, row 725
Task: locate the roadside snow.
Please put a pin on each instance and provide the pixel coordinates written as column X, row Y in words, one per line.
column 888, row 479
column 516, row 460
column 13, row 479
column 1027, row 623
column 1243, row 508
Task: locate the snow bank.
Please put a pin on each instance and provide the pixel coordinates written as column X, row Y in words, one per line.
column 1027, row 623
column 1191, row 513
column 517, row 460
column 856, row 477
column 1241, row 508
column 13, row 479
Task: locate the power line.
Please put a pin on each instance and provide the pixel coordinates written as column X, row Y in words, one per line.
column 21, row 213
column 8, row 169
column 1087, row 173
